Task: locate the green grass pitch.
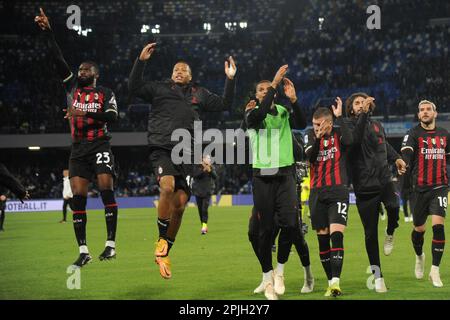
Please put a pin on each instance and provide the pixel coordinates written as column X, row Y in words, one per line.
column 35, row 251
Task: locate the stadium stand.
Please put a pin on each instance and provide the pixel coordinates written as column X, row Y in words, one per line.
column 400, row 64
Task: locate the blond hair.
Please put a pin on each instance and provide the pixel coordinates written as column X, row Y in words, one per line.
column 427, row 102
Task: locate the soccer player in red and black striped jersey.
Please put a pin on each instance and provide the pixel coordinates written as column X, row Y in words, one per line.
column 326, row 150
column 90, row 108
column 426, row 150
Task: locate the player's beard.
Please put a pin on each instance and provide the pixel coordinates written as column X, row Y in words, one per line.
column 84, row 82
column 428, row 122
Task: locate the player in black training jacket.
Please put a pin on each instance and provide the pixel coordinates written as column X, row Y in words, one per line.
column 371, row 177
column 426, row 150
column 176, row 104
column 89, row 109
column 11, row 183
column 203, row 185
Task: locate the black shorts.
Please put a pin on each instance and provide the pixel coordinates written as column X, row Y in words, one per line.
column 431, row 202
column 163, row 166
column 327, row 206
column 275, row 200
column 88, row 160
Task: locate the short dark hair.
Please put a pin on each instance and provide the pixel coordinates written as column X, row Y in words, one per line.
column 322, row 112
column 260, row 82
column 184, row 62
column 94, row 65
column 349, row 103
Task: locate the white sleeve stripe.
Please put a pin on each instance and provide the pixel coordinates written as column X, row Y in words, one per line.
column 308, row 148
column 111, row 110
column 407, row 147
column 68, row 78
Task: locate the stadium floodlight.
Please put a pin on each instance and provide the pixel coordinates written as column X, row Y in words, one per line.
column 156, row 29
column 321, row 20
column 207, row 26
column 231, row 25
column 81, row 31
column 34, row 148
column 243, row 24
column 145, row 28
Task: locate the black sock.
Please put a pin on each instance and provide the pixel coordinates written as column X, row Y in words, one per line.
column 79, row 218
column 110, row 213
column 393, row 215
column 163, row 225
column 324, row 248
column 65, row 203
column 170, row 244
column 438, row 244
column 417, row 240
column 337, row 253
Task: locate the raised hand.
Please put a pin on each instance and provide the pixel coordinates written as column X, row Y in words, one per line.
column 337, row 109
column 279, row 76
column 230, row 68
column 289, row 90
column 323, row 128
column 42, row 20
column 146, row 53
column 250, row 105
column 367, row 103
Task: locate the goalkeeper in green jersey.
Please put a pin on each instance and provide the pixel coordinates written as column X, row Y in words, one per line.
column 274, row 185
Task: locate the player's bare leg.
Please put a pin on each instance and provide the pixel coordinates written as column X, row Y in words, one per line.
column 176, row 209
column 79, row 188
column 167, row 188
column 106, row 185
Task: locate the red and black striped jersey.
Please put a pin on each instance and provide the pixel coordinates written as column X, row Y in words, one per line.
column 328, row 162
column 90, row 99
column 425, row 152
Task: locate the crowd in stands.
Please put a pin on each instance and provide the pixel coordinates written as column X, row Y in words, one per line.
column 41, row 173
column 327, row 45
column 134, row 181
column 405, row 61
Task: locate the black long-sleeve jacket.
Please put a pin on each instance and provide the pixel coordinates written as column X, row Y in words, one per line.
column 370, row 155
column 203, row 184
column 9, row 181
column 174, row 106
